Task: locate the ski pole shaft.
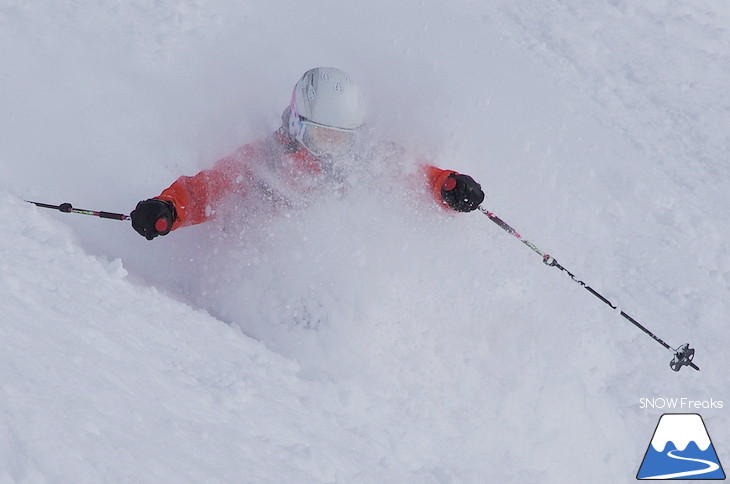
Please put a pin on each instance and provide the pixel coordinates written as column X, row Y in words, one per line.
column 682, row 355
column 67, row 208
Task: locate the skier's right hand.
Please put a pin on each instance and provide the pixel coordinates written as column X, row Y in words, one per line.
column 153, row 217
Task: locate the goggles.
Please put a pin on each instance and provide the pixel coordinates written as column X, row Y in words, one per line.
column 323, row 140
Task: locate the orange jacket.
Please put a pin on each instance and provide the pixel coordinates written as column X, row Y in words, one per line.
column 195, row 197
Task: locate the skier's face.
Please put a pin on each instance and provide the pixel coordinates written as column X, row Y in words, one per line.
column 324, row 140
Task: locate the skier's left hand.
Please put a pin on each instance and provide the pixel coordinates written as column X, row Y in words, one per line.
column 461, row 192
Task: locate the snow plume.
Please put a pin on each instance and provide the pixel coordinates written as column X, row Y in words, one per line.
column 371, row 336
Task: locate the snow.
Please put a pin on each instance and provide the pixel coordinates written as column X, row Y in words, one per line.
column 373, row 338
column 681, row 430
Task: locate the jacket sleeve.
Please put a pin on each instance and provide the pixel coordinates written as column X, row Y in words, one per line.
column 195, row 197
column 435, row 179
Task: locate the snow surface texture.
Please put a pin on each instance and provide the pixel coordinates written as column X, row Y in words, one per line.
column 374, row 338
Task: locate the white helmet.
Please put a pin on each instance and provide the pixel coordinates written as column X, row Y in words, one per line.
column 326, row 107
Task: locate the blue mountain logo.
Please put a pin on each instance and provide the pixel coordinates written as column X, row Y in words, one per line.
column 681, row 449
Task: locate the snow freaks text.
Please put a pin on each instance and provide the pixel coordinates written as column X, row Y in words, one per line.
column 679, row 403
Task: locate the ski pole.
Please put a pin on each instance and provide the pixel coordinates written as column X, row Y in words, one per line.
column 683, row 355
column 67, row 208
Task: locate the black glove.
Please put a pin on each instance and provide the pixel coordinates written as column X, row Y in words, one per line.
column 153, row 217
column 462, row 193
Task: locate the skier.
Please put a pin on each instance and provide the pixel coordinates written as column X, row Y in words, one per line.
column 309, row 152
